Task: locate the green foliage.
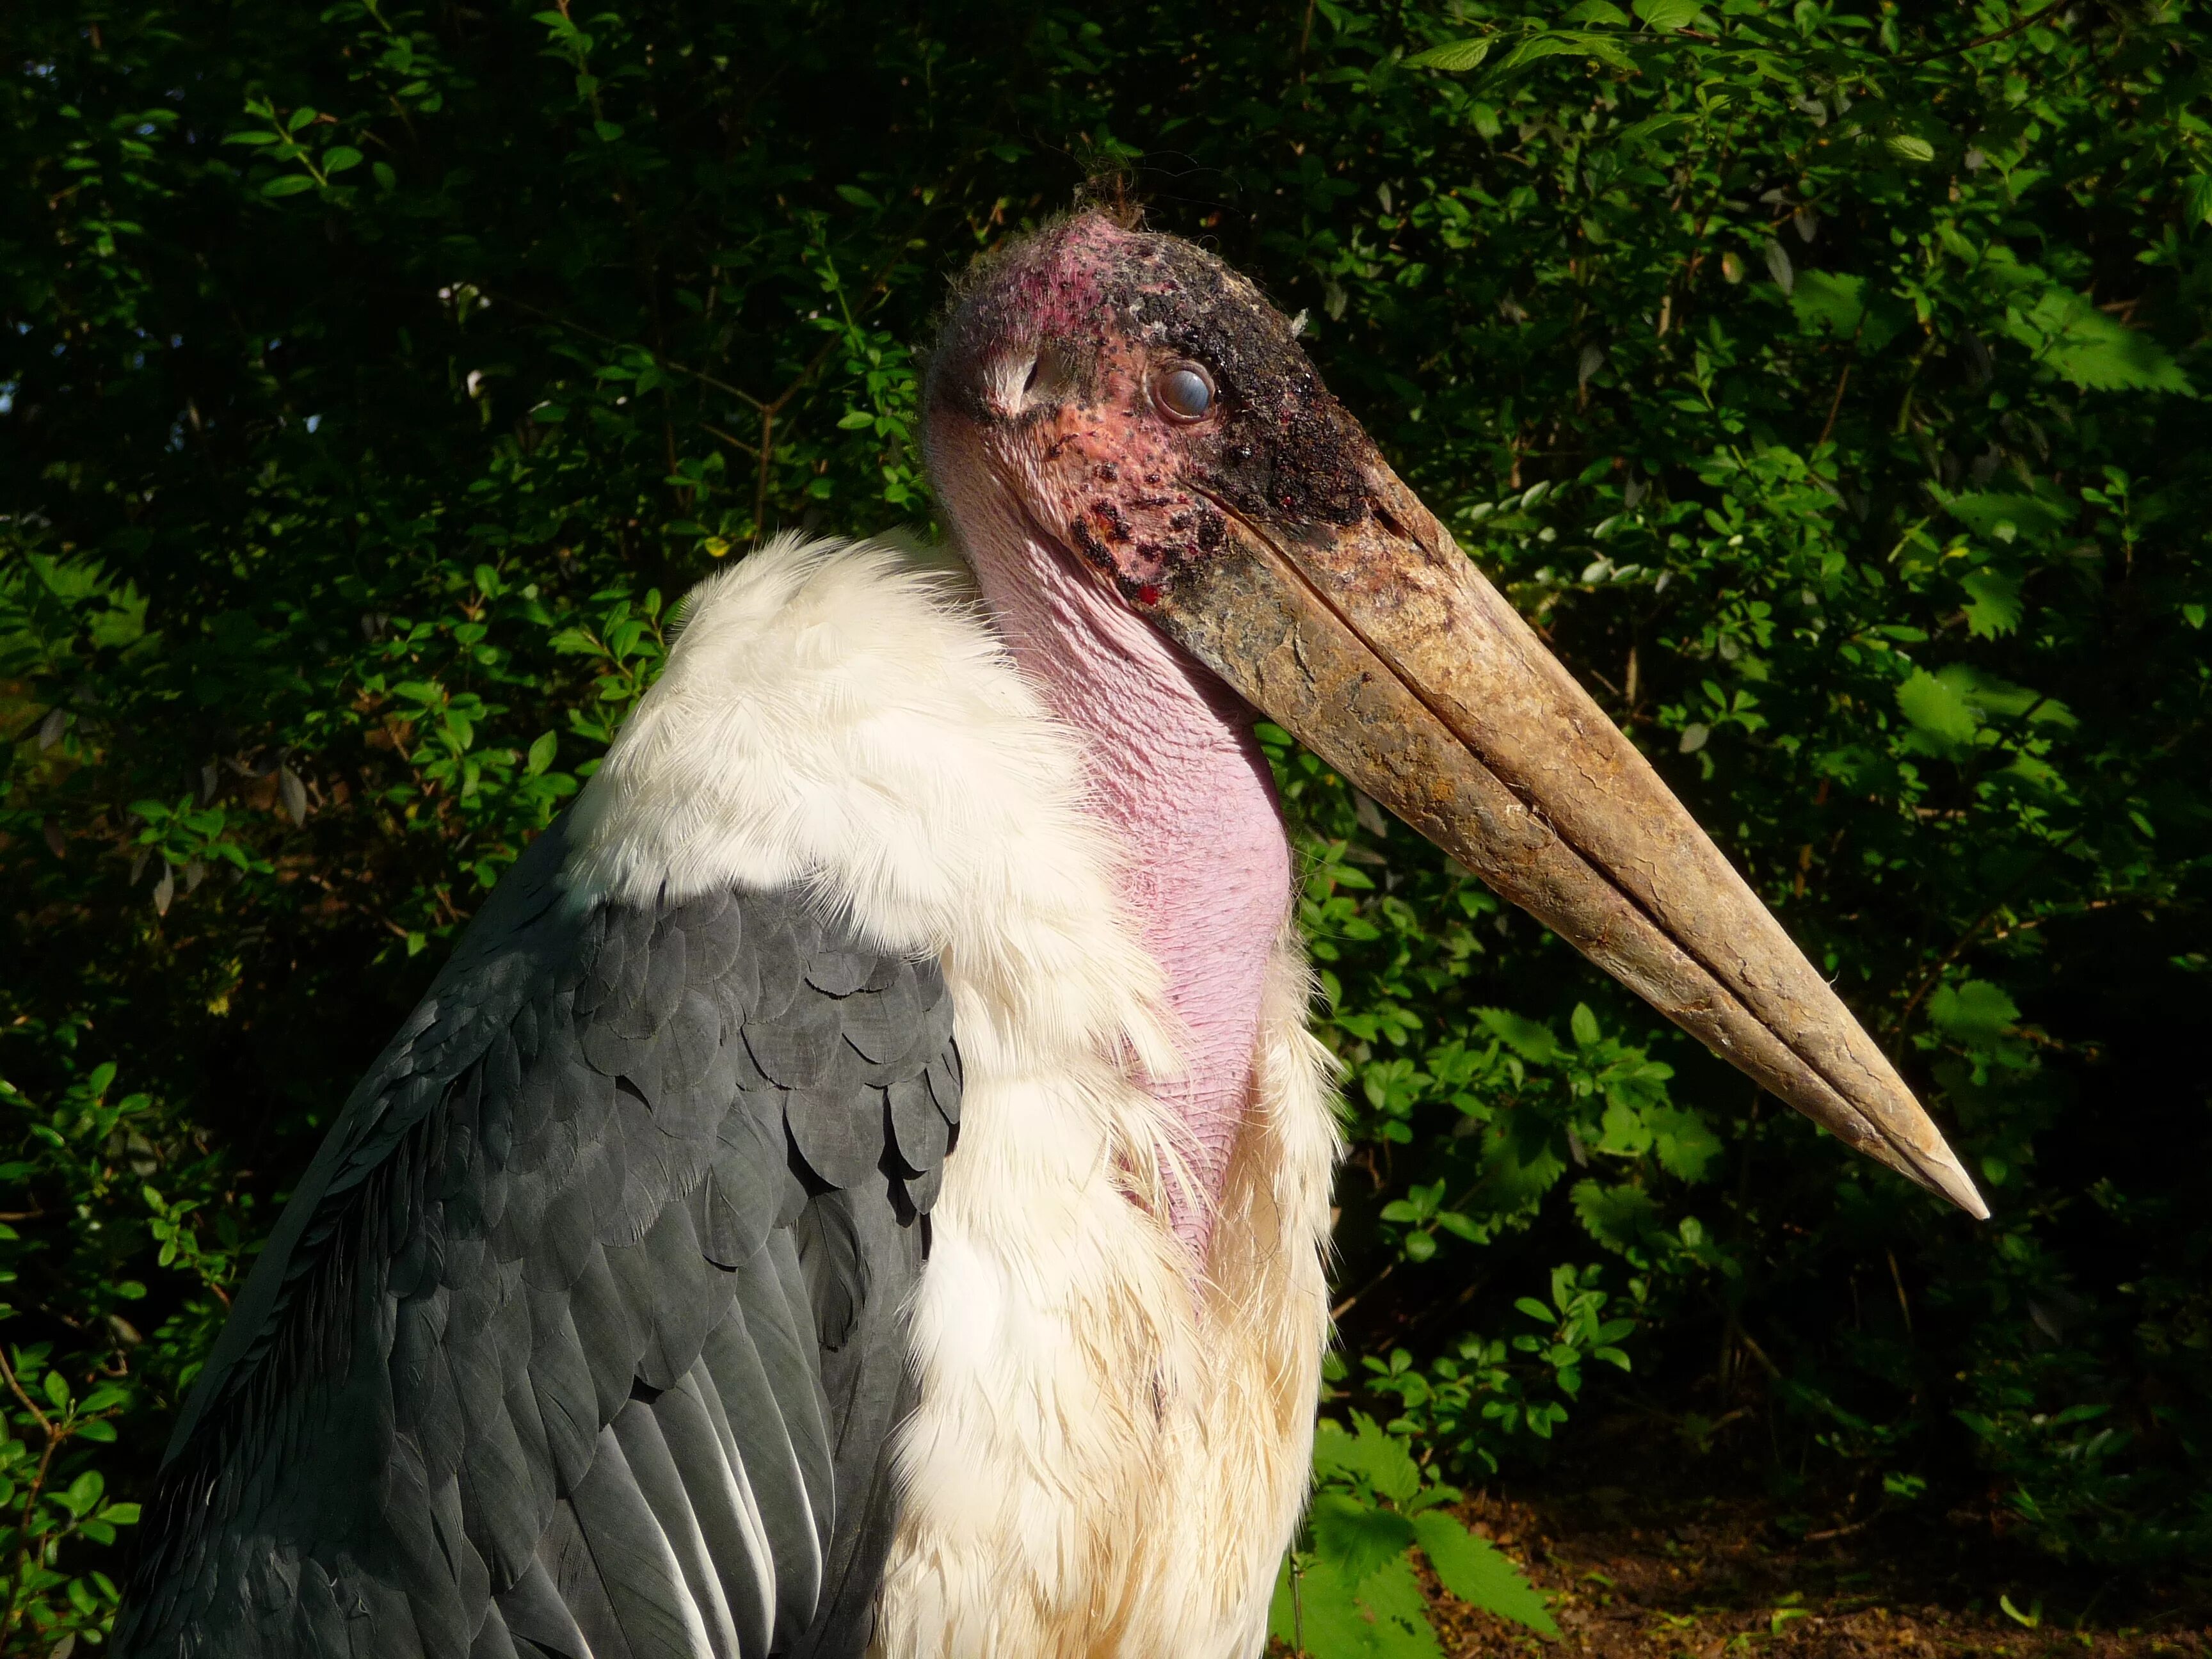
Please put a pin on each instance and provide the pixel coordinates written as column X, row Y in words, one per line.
column 1822, row 384
column 1348, row 1590
column 87, row 1163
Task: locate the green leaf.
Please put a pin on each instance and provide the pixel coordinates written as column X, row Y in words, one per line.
column 1597, row 11
column 1651, row 127
column 1842, row 306
column 2197, row 199
column 1667, row 15
column 1622, row 1131
column 1620, row 1217
column 1525, row 1038
column 1950, row 706
column 2095, row 352
column 1382, row 1617
column 1583, row 1024
column 542, row 752
column 1939, row 707
column 1460, row 1226
column 1685, row 1144
column 1974, row 1012
column 1535, row 47
column 1456, row 57
column 1481, row 1574
column 1370, row 1457
column 1993, row 603
column 2006, row 518
column 288, row 184
column 859, row 198
column 1356, row 1537
column 340, row 157
column 1909, row 147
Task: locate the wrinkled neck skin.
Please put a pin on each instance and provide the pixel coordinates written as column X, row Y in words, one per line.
column 1185, row 789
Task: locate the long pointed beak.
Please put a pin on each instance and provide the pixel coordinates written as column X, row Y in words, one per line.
column 1382, row 649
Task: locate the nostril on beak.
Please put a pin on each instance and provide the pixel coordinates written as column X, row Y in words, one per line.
column 1029, row 384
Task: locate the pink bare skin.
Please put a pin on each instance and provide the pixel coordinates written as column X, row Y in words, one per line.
column 1177, row 773
column 1187, row 793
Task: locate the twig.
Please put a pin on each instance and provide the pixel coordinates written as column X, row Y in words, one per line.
column 35, row 1485
column 16, row 1387
column 2088, row 908
column 1751, row 1345
column 658, row 361
column 1835, row 405
column 1345, row 1306
column 2028, row 23
column 1928, row 980
column 734, row 442
column 1838, row 1531
column 769, row 408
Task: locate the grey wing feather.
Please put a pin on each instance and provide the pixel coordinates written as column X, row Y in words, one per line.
column 583, row 1334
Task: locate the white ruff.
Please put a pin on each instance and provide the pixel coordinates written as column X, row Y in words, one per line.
column 1102, row 1463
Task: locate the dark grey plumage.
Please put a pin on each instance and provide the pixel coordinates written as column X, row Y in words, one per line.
column 582, row 1335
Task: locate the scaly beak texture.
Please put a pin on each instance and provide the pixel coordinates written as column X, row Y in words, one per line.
column 1382, row 649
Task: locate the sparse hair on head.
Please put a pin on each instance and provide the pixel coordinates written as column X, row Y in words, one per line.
column 1109, row 187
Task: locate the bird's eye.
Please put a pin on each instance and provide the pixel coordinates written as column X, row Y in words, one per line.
column 1184, row 391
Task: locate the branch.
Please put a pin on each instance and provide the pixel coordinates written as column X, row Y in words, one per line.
column 1835, row 406
column 16, row 1387
column 2026, row 22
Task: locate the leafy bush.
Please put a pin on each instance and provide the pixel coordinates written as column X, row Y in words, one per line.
column 1820, row 382
column 1349, row 1590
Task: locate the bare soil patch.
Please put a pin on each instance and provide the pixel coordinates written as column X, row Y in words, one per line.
column 1640, row 1576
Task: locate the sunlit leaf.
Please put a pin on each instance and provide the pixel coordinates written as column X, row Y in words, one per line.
column 1666, row 14
column 2092, row 349
column 1357, row 1538
column 1454, row 58
column 1973, row 1011
column 1481, row 1574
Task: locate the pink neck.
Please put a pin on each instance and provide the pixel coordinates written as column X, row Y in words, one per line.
column 1177, row 774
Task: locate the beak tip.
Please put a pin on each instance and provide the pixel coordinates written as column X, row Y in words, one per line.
column 1941, row 1172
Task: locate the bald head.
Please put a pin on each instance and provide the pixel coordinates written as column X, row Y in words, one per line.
column 1132, row 390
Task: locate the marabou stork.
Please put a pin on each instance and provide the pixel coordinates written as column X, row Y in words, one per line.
column 640, row 1303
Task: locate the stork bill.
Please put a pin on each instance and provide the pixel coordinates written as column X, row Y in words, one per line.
column 861, row 1183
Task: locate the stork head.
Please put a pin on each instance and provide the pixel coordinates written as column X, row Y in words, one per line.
column 1124, row 406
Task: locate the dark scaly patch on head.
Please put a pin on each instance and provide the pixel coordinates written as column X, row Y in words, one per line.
column 1284, row 447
